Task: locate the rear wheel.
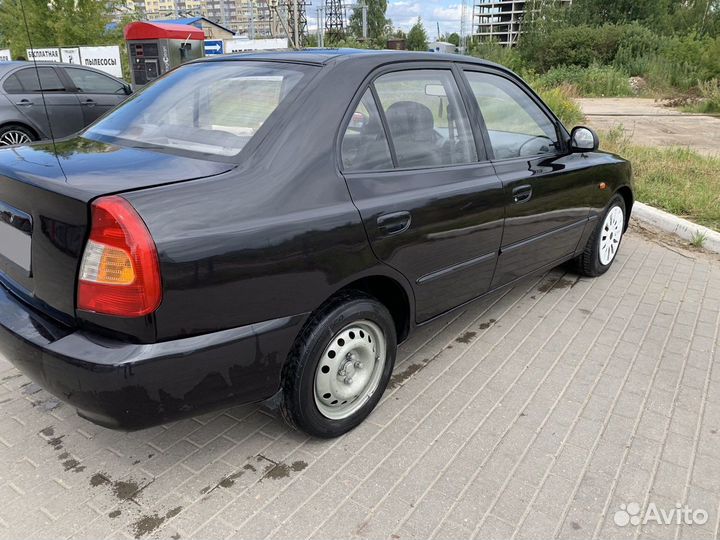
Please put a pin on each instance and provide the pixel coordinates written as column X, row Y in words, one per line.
column 14, row 134
column 340, row 366
column 603, row 245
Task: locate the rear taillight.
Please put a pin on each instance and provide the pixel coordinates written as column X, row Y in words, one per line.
column 120, row 271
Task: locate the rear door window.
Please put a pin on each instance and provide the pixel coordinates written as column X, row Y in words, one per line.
column 364, row 145
column 12, row 85
column 28, row 79
column 428, row 123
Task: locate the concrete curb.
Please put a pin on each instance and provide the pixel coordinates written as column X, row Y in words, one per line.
column 687, row 230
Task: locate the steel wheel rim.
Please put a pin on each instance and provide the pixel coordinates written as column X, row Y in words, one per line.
column 13, row 137
column 610, row 235
column 350, row 369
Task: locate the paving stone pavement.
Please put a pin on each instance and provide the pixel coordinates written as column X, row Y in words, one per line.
column 535, row 413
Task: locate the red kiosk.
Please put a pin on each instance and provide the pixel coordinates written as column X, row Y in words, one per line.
column 156, row 48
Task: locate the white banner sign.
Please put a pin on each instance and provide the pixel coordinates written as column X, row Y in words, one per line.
column 240, row 45
column 43, row 55
column 5, row 55
column 106, row 59
column 70, row 55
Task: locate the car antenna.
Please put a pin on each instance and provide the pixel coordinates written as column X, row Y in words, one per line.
column 37, row 74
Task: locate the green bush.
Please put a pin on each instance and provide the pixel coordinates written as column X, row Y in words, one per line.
column 584, row 45
column 667, row 62
column 560, row 100
column 592, row 81
column 494, row 52
column 679, row 63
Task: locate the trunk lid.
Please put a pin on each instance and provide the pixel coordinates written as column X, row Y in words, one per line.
column 44, row 209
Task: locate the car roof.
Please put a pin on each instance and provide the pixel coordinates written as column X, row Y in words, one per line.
column 20, row 63
column 325, row 56
column 12, row 64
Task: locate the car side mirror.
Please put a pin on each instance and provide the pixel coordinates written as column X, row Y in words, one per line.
column 583, row 139
column 128, row 89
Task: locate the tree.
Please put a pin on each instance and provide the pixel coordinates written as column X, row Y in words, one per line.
column 417, row 38
column 616, row 11
column 663, row 16
column 54, row 23
column 453, row 38
column 399, row 34
column 377, row 23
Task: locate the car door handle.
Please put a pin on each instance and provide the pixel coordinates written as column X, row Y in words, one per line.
column 24, row 103
column 394, row 223
column 521, row 194
column 89, row 103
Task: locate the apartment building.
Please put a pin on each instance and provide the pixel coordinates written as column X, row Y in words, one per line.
column 253, row 18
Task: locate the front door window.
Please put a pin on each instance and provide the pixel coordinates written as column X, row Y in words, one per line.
column 516, row 124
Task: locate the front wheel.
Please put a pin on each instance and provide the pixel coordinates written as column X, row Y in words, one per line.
column 340, row 366
column 604, row 243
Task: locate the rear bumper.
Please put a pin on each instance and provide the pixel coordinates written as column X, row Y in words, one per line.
column 130, row 386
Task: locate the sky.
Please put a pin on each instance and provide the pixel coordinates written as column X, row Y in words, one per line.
column 446, row 13
column 404, row 14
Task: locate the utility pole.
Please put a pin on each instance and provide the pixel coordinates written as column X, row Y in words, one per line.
column 296, row 34
column 251, row 7
column 364, row 10
column 273, row 6
column 364, row 20
column 321, row 26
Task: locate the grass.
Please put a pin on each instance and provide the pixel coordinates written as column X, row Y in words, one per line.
column 698, row 239
column 592, row 81
column 677, row 180
column 709, row 102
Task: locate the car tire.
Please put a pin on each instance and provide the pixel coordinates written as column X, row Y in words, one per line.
column 13, row 134
column 339, row 366
column 604, row 243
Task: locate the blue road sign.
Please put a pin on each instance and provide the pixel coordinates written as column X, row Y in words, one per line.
column 214, row 46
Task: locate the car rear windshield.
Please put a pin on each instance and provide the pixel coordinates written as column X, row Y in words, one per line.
column 211, row 108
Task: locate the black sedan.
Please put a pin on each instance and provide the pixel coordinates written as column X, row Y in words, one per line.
column 273, row 225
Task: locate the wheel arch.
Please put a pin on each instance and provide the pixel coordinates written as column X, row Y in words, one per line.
column 391, row 293
column 626, row 193
column 23, row 125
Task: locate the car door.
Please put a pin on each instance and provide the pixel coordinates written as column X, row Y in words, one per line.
column 431, row 204
column 98, row 93
column 546, row 189
column 63, row 107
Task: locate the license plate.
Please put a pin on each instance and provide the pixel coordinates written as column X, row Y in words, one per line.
column 15, row 236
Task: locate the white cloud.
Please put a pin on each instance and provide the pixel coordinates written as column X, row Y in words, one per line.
column 450, row 13
column 433, row 13
column 404, row 9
